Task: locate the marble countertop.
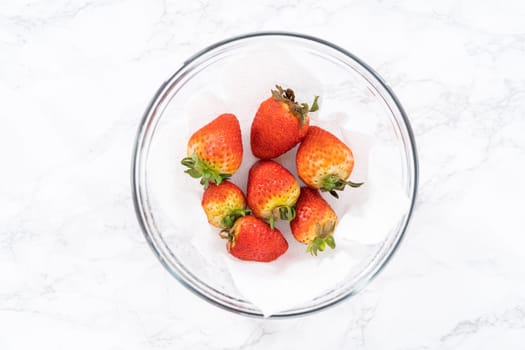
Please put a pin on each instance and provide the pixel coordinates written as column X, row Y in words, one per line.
column 75, row 270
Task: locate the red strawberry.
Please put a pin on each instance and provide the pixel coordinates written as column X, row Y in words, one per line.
column 253, row 239
column 324, row 162
column 279, row 124
column 272, row 191
column 314, row 222
column 223, row 204
column 214, row 151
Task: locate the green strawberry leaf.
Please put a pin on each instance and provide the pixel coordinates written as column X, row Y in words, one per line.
column 199, row 169
column 188, row 162
column 330, row 241
column 324, row 238
column 287, row 213
column 300, row 110
column 193, row 173
column 315, row 105
column 333, row 193
column 320, row 244
column 272, row 222
column 333, row 183
column 354, row 184
column 229, row 220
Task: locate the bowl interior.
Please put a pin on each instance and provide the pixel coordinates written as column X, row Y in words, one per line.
column 234, row 77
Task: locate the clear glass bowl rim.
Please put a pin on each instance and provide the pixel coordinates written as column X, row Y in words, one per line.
column 135, row 173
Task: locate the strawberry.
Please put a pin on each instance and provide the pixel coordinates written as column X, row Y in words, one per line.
column 324, row 162
column 314, row 222
column 253, row 239
column 272, row 191
column 279, row 124
column 214, row 152
column 223, row 204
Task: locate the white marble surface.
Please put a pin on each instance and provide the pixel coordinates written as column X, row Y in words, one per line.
column 75, row 271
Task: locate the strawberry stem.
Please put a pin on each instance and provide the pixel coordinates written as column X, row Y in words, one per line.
column 199, row 169
column 225, row 234
column 324, row 238
column 300, row 110
column 287, row 213
column 332, row 183
column 229, row 220
column 284, row 212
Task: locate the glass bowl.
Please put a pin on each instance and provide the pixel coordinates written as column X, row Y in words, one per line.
column 234, row 70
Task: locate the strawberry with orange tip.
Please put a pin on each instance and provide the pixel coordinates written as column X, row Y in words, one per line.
column 223, row 204
column 324, row 162
column 315, row 221
column 214, row 152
